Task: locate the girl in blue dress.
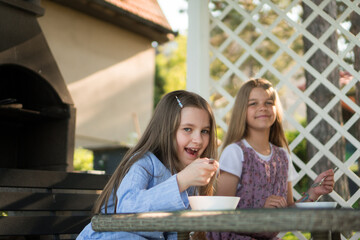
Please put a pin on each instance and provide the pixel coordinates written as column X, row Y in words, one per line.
column 169, row 163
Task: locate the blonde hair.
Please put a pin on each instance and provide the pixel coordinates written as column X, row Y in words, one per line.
column 159, row 138
column 238, row 127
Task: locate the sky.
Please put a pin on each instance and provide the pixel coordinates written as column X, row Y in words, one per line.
column 178, row 21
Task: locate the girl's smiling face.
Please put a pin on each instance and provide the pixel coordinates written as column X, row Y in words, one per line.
column 261, row 110
column 193, row 134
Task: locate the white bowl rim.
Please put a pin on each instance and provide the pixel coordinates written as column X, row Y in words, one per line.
column 316, row 204
column 201, row 203
column 235, row 197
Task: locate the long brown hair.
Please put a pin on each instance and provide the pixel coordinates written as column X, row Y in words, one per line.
column 238, row 127
column 159, row 138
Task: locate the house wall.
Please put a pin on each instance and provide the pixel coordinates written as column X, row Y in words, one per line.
column 109, row 72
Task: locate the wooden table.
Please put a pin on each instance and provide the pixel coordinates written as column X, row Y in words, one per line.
column 322, row 223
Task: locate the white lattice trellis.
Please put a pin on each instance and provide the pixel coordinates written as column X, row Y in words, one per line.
column 283, row 13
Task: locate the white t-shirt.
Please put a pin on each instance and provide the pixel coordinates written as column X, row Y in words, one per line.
column 232, row 157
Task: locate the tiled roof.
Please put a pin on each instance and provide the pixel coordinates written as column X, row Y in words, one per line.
column 143, row 17
column 146, row 9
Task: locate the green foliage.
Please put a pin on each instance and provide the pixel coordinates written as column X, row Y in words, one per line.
column 354, row 168
column 170, row 71
column 158, row 86
column 356, row 205
column 83, row 159
column 220, row 133
column 291, row 236
column 300, row 149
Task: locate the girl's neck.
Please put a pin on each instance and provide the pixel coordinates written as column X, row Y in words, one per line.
column 260, row 143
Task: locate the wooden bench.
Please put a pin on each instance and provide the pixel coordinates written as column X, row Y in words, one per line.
column 50, row 204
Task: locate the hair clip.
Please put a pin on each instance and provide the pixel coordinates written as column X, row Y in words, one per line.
column 179, row 102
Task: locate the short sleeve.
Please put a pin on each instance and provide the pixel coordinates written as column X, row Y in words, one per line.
column 231, row 159
column 292, row 173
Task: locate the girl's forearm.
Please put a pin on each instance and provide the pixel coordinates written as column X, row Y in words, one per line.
column 308, row 197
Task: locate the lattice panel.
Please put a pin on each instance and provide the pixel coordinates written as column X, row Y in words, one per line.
column 264, row 39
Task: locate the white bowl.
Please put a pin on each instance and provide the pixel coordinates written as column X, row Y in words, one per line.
column 316, row 204
column 213, row 202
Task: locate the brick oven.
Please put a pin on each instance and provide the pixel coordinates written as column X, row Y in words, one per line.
column 37, row 114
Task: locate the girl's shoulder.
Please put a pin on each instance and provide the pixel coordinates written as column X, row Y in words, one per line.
column 233, row 147
column 231, row 151
column 231, row 159
column 148, row 161
column 151, row 164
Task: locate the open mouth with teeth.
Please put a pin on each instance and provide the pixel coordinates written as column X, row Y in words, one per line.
column 192, row 151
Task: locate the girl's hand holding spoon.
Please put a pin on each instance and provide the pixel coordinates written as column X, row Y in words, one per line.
column 323, row 184
column 198, row 173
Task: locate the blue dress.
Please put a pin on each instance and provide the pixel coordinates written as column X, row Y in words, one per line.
column 148, row 186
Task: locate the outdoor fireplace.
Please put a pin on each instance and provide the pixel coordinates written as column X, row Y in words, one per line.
column 37, row 114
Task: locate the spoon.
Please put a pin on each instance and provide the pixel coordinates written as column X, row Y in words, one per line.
column 322, row 180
